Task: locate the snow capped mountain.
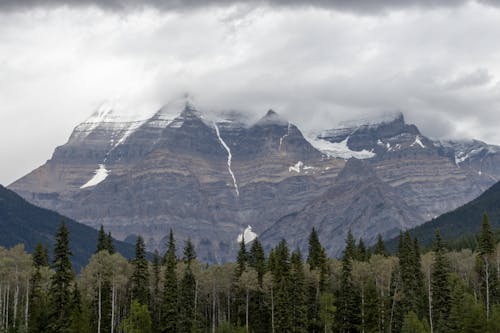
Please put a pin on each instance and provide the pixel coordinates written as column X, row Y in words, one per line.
column 210, row 175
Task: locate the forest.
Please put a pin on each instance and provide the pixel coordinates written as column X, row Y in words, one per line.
column 366, row 290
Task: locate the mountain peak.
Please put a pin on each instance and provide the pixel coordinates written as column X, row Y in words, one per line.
column 272, row 118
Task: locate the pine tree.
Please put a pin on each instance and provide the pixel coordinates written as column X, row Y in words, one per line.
column 170, row 289
column 281, row 279
column 440, row 287
column 109, row 244
column 187, row 290
column 189, row 252
column 380, row 247
column 61, row 283
column 257, row 260
column 140, row 276
column 350, row 248
column 40, row 256
column 348, row 306
column 298, row 293
column 38, row 310
column 102, row 241
column 318, row 260
column 156, row 297
column 362, row 253
column 241, row 259
column 487, row 276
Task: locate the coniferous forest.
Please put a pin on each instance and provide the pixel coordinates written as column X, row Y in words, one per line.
column 366, row 290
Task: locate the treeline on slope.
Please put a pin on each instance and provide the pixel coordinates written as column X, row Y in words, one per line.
column 439, row 291
column 458, row 227
column 24, row 223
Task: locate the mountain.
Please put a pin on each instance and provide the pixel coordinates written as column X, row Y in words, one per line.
column 22, row 222
column 211, row 175
column 461, row 222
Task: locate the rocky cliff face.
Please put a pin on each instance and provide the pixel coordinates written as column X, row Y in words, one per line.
column 209, row 177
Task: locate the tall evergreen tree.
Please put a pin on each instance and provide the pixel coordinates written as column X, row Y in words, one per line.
column 348, row 307
column 298, row 293
column 380, row 247
column 281, row 279
column 257, row 260
column 170, row 289
column 61, row 283
column 363, row 253
column 156, row 297
column 102, row 240
column 140, row 275
column 241, row 259
column 440, row 288
column 189, row 252
column 38, row 311
column 488, row 278
column 109, row 244
column 187, row 290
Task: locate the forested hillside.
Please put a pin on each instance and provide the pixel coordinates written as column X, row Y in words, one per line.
column 24, row 223
column 461, row 224
column 285, row 291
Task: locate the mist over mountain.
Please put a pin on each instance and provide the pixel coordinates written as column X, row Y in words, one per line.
column 209, row 176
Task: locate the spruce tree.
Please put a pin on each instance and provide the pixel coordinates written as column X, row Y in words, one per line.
column 156, row 297
column 257, row 260
column 281, row 279
column 298, row 293
column 440, row 287
column 189, row 252
column 102, row 240
column 109, row 244
column 186, row 302
column 140, row 275
column 488, row 278
column 380, row 247
column 170, row 290
column 38, row 310
column 61, row 283
column 348, row 307
column 362, row 253
column 241, row 259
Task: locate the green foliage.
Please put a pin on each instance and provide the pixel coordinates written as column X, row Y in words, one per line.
column 412, row 324
column 140, row 277
column 187, row 290
column 61, row 283
column 380, row 247
column 169, row 309
column 241, row 259
column 440, row 287
column 189, row 252
column 139, row 319
column 327, row 313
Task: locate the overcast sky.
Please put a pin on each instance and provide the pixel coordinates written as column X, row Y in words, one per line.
column 317, row 64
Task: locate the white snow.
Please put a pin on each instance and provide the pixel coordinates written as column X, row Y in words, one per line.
column 100, row 174
column 296, row 167
column 229, row 158
column 339, row 149
column 282, row 139
column 417, row 142
column 248, row 234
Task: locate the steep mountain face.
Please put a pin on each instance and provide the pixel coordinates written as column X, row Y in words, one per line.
column 358, row 200
column 461, row 222
column 22, row 222
column 210, row 176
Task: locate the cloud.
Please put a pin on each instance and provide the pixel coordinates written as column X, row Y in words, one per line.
column 316, row 67
column 353, row 6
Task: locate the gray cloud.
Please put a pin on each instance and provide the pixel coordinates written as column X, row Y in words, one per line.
column 355, row 6
column 316, row 67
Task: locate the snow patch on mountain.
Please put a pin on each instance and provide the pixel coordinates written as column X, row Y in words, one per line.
column 339, row 149
column 417, row 142
column 247, row 234
column 100, row 174
column 229, row 158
